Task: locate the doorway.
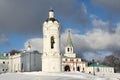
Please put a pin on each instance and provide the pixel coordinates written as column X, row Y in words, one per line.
column 66, row 68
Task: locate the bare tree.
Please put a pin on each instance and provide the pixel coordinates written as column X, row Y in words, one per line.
column 112, row 61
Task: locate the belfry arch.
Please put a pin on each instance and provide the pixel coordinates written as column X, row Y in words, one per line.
column 52, row 42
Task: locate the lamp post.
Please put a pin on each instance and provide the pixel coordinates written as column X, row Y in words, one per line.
column 93, row 67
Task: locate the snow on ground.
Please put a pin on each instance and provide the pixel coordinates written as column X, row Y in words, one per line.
column 58, row 76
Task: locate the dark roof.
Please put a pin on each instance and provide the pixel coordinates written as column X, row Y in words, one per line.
column 51, row 10
column 52, row 19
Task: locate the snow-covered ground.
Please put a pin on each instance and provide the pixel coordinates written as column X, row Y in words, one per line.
column 58, row 76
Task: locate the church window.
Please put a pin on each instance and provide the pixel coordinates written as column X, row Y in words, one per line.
column 3, row 62
column 68, row 49
column 52, row 42
column 77, row 60
column 71, row 60
column 98, row 69
column 78, row 68
column 83, row 69
column 65, row 59
column 22, row 66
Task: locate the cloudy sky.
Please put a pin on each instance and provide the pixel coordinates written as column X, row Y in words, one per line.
column 94, row 25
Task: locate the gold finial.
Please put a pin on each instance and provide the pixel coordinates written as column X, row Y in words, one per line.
column 29, row 46
column 51, row 9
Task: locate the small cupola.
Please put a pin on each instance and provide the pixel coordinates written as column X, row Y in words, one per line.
column 51, row 13
column 28, row 46
column 51, row 16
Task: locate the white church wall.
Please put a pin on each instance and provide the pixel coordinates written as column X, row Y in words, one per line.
column 73, row 64
column 100, row 69
column 4, row 62
column 25, row 62
column 53, row 62
column 15, row 63
column 35, row 62
column 4, row 66
column 51, row 58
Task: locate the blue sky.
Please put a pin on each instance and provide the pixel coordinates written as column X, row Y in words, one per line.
column 94, row 23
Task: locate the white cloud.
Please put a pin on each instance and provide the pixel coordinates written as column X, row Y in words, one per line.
column 118, row 28
column 36, row 44
column 84, row 8
column 3, row 39
column 94, row 40
column 93, row 16
column 100, row 23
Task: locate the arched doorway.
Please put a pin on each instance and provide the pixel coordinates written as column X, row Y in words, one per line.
column 78, row 68
column 66, row 68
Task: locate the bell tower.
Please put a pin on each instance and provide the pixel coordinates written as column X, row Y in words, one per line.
column 51, row 58
column 69, row 51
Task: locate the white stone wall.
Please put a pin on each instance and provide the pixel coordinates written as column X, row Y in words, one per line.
column 51, row 58
column 3, row 65
column 26, row 62
column 51, row 29
column 73, row 64
column 15, row 63
column 101, row 69
column 51, row 64
column 70, row 55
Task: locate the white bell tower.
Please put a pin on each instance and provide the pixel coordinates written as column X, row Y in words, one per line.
column 51, row 58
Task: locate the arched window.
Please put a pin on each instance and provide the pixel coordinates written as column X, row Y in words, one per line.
column 68, row 49
column 98, row 70
column 52, row 42
column 78, row 68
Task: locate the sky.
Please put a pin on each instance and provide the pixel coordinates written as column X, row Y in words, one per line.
column 94, row 25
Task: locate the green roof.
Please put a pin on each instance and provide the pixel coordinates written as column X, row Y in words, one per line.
column 3, row 57
column 67, row 57
column 69, row 41
column 98, row 65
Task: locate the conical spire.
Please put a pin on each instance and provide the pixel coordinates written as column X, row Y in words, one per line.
column 69, row 41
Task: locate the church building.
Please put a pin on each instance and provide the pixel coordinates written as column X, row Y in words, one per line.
column 51, row 58
column 69, row 61
column 25, row 61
